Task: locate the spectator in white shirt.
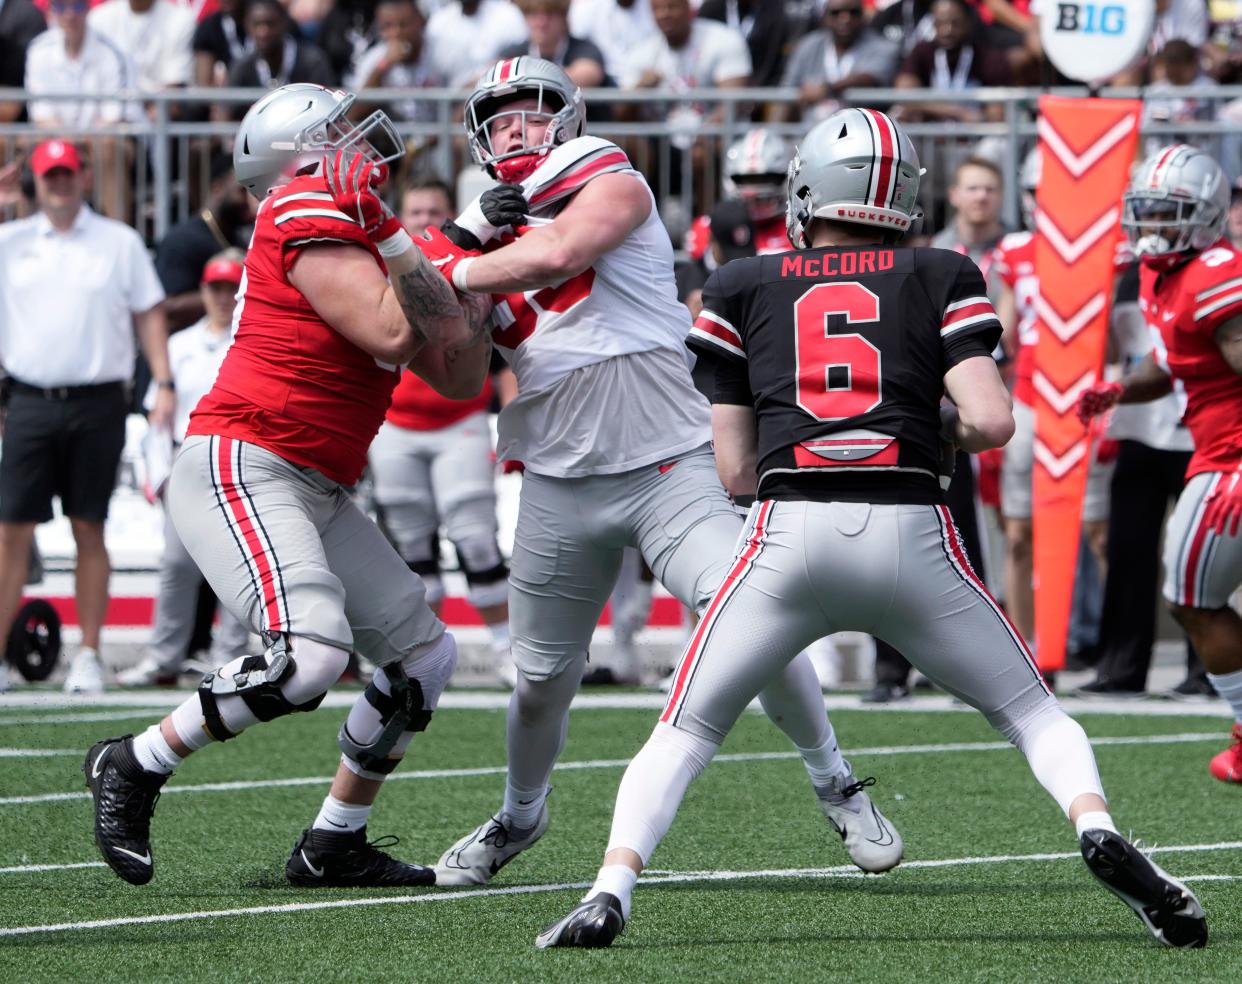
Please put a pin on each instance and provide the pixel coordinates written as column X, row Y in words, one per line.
column 156, row 34
column 72, row 57
column 616, row 27
column 194, row 356
column 74, row 286
column 466, row 37
column 548, row 23
column 399, row 60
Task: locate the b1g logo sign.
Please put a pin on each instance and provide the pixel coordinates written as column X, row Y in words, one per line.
column 1092, row 41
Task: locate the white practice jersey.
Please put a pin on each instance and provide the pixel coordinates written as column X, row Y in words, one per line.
column 624, row 305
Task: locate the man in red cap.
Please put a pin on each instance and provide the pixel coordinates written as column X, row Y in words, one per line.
column 75, row 288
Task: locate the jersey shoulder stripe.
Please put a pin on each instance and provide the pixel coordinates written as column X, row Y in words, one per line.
column 569, row 167
column 717, row 332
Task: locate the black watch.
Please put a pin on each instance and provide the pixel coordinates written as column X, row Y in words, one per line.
column 167, row 384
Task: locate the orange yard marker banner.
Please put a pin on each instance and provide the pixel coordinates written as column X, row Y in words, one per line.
column 1087, row 147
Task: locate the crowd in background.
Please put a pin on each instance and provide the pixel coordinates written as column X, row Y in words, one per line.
column 823, row 49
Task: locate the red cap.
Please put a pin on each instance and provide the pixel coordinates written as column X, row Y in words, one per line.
column 55, row 153
column 217, row 270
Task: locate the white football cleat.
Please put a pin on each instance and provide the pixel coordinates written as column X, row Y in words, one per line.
column 85, row 674
column 871, row 840
column 476, row 858
column 148, row 673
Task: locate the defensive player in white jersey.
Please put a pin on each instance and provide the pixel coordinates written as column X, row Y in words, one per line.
column 613, row 434
column 831, row 364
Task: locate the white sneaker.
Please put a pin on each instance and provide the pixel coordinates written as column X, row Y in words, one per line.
column 150, row 672
column 872, row 842
column 476, row 858
column 85, row 674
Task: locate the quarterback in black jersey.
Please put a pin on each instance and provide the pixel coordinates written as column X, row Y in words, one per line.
column 832, row 361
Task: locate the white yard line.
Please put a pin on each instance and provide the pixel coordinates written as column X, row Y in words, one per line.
column 21, row 753
column 498, row 770
column 165, row 700
column 676, row 877
column 26, row 869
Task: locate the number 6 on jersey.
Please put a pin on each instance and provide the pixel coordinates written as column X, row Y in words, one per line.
column 838, row 374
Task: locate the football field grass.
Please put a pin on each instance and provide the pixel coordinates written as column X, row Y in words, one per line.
column 750, row 885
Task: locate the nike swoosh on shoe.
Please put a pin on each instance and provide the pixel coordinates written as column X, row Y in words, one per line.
column 140, row 858
column 96, row 769
column 317, row 872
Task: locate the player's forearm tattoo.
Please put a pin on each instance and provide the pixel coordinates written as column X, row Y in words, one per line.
column 426, row 298
column 478, row 311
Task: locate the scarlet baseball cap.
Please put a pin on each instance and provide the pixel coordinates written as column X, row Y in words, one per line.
column 55, row 153
column 222, row 269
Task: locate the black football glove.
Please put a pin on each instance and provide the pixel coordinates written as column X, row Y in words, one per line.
column 504, row 205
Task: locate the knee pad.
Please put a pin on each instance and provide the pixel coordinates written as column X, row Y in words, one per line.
column 273, row 684
column 487, row 574
column 397, row 704
column 423, row 556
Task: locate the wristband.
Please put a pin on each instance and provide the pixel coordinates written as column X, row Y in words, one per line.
column 472, row 221
column 459, row 273
column 395, row 245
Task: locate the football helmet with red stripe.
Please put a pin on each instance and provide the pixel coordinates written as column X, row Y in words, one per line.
column 1177, row 203
column 557, row 99
column 754, row 171
column 857, row 167
column 301, row 125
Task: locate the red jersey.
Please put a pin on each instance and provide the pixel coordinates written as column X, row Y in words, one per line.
column 1183, row 308
column 771, row 236
column 1014, row 263
column 290, row 383
column 417, row 406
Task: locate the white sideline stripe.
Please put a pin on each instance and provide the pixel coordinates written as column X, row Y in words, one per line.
column 13, row 753
column 23, row 869
column 500, row 770
column 848, row 871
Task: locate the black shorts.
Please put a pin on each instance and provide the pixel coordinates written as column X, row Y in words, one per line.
column 69, row 448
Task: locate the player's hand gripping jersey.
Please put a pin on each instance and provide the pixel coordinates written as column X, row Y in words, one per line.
column 842, row 351
column 290, row 383
column 1184, row 307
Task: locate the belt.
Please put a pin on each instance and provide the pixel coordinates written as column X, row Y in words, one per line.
column 66, row 392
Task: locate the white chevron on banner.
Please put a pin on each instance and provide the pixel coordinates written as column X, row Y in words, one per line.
column 1067, row 329
column 1058, row 466
column 1078, row 164
column 1069, row 251
column 1062, row 401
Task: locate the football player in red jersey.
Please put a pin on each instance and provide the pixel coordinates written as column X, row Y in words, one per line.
column 1190, row 292
column 831, row 361
column 260, row 490
column 613, row 434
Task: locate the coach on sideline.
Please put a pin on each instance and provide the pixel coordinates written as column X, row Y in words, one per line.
column 73, row 287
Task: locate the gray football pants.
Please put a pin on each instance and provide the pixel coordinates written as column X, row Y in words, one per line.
column 808, row 569
column 286, row 550
column 177, row 605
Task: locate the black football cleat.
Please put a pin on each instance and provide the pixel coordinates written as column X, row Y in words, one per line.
column 592, row 924
column 1167, row 908
column 328, row 859
column 125, row 795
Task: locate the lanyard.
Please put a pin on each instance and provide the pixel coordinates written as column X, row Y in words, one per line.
column 287, row 55
column 736, row 21
column 837, row 67
column 941, row 79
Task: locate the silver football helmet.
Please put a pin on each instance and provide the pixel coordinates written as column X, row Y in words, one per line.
column 857, row 166
column 558, row 99
column 297, row 126
column 1177, row 202
column 754, row 171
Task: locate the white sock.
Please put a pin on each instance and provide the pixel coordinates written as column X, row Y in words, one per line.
column 340, row 817
column 1098, row 820
column 1229, row 686
column 523, row 806
column 618, row 880
column 823, row 764
column 501, row 642
column 1059, row 754
column 154, row 753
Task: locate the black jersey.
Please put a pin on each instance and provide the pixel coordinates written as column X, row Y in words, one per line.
column 842, row 352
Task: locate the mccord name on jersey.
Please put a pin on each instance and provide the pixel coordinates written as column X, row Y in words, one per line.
column 836, row 264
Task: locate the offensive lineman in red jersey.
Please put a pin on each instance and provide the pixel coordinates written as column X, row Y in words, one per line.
column 1191, row 295
column 830, row 366
column 259, row 492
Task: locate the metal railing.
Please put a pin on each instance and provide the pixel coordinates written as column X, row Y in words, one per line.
column 167, row 170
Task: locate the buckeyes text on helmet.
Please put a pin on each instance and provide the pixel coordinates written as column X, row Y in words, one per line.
column 1177, row 203
column 754, row 171
column 856, row 167
column 294, row 128
column 553, row 96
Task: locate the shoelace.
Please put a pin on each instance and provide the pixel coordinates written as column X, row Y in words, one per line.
column 856, row 787
column 497, row 835
column 388, row 840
